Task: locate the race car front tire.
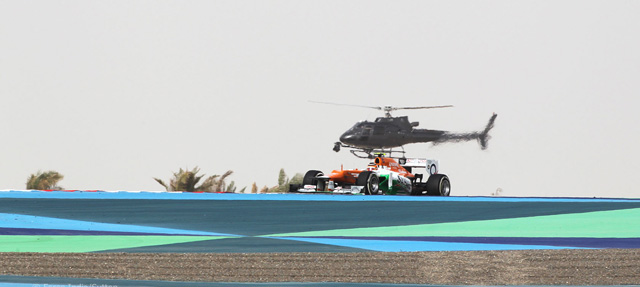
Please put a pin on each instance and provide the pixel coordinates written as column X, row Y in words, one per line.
column 370, row 181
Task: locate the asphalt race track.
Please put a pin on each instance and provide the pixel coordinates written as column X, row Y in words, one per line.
column 83, row 221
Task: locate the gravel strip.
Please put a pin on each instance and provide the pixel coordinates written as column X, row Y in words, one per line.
column 529, row 267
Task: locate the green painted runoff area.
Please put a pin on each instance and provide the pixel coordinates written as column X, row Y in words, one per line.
column 88, row 243
column 600, row 224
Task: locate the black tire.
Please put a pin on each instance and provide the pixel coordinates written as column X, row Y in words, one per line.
column 370, row 181
column 294, row 187
column 310, row 177
column 438, row 184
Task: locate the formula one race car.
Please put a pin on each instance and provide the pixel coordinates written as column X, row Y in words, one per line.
column 383, row 176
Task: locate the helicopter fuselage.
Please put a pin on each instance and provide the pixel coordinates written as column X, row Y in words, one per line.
column 388, row 132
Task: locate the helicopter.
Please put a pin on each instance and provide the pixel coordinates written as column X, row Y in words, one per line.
column 385, row 133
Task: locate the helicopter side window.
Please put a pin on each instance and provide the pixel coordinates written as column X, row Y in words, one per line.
column 384, row 120
column 366, row 131
column 378, row 130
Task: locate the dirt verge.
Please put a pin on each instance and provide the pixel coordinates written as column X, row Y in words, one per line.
column 539, row 267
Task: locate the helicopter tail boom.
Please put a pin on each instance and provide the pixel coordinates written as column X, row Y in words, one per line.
column 483, row 136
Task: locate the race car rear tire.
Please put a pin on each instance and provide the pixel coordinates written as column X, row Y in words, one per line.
column 294, row 187
column 370, row 181
column 310, row 177
column 438, row 184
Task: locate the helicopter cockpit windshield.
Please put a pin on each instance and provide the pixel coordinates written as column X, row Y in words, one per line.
column 355, row 128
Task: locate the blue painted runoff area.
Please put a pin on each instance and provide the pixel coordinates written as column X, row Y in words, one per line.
column 8, row 220
column 79, row 194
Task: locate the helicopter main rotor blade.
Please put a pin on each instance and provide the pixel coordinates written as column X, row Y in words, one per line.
column 359, row 106
column 416, row 108
column 386, row 109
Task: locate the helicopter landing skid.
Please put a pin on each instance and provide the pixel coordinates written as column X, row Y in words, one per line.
column 369, row 153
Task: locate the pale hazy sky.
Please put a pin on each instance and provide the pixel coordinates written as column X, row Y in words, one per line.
column 113, row 93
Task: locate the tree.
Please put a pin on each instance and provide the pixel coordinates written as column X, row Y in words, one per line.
column 282, row 178
column 296, row 179
column 187, row 180
column 45, row 180
column 284, row 182
column 232, row 188
column 219, row 184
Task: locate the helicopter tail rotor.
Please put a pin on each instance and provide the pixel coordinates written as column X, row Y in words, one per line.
column 484, row 136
